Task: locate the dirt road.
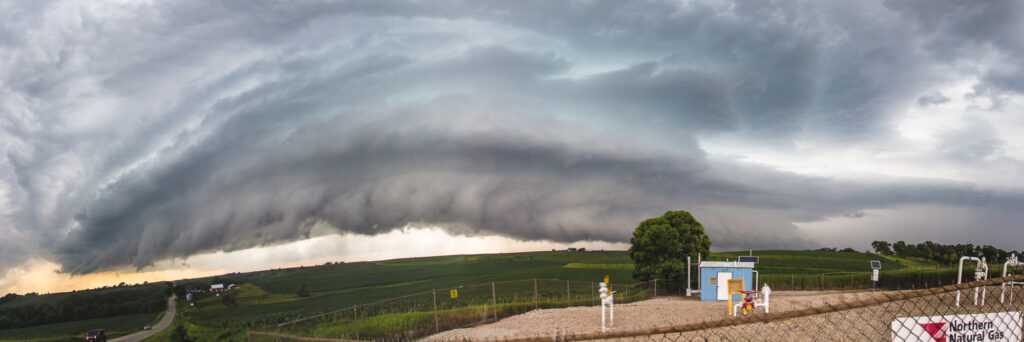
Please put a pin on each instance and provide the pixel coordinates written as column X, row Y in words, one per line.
column 160, row 326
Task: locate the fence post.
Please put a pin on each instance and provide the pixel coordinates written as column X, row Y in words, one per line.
column 436, row 326
column 355, row 311
column 248, row 334
column 494, row 299
column 535, row 305
column 822, row 281
column 792, row 282
column 568, row 299
column 592, row 294
column 655, row 287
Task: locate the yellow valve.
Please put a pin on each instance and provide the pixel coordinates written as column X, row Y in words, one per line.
column 609, row 290
column 455, row 293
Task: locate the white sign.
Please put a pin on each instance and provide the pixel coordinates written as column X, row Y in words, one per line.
column 874, row 275
column 993, row 326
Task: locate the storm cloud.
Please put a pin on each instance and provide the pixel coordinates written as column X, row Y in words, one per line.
column 139, row 132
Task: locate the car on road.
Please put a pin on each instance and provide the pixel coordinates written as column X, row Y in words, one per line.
column 97, row 335
column 147, row 327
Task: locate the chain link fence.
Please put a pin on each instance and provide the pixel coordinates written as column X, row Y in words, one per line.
column 914, row 278
column 422, row 314
column 988, row 310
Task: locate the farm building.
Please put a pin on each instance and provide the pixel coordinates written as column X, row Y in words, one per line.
column 715, row 276
column 216, row 287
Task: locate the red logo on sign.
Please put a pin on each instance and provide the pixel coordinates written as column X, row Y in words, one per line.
column 936, row 331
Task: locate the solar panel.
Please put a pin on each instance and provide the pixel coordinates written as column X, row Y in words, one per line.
column 876, row 265
column 752, row 259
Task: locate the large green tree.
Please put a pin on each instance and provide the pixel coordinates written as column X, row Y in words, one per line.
column 882, row 247
column 660, row 246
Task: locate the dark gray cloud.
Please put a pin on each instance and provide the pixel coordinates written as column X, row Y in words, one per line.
column 460, row 163
column 136, row 132
column 933, row 99
column 967, row 31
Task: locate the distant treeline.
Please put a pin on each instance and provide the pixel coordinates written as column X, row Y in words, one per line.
column 80, row 305
column 181, row 287
column 833, row 249
column 947, row 254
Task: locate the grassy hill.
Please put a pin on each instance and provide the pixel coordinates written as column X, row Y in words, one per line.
column 813, row 270
column 269, row 297
column 115, row 326
column 803, row 262
column 118, row 310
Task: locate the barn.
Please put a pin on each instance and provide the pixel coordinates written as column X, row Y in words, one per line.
column 715, row 276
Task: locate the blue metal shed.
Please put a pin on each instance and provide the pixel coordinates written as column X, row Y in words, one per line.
column 714, row 277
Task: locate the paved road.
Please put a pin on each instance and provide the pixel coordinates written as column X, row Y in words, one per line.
column 160, row 326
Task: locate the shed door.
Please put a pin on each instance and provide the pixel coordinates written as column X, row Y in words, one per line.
column 723, row 285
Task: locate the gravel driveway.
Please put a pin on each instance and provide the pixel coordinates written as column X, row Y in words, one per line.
column 867, row 323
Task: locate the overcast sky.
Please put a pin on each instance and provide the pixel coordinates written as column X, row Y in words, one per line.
column 135, row 133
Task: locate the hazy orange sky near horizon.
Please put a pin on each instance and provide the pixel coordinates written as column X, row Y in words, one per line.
column 42, row 276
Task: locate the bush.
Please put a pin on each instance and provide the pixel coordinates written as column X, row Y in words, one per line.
column 228, row 300
column 180, row 335
column 301, row 292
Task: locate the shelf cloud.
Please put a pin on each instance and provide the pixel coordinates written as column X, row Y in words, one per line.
column 137, row 132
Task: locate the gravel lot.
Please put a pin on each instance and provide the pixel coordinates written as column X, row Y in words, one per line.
column 868, row 323
column 664, row 311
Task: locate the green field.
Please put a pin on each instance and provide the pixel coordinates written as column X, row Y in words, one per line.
column 53, row 298
column 268, row 298
column 815, row 270
column 75, row 331
column 803, row 262
column 68, row 315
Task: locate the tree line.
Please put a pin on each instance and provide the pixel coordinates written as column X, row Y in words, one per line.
column 947, row 254
column 81, row 305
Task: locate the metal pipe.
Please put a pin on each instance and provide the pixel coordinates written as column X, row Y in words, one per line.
column 984, row 289
column 1009, row 263
column 960, row 275
column 688, row 267
column 698, row 272
column 767, row 291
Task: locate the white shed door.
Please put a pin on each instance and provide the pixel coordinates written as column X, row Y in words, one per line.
column 723, row 285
